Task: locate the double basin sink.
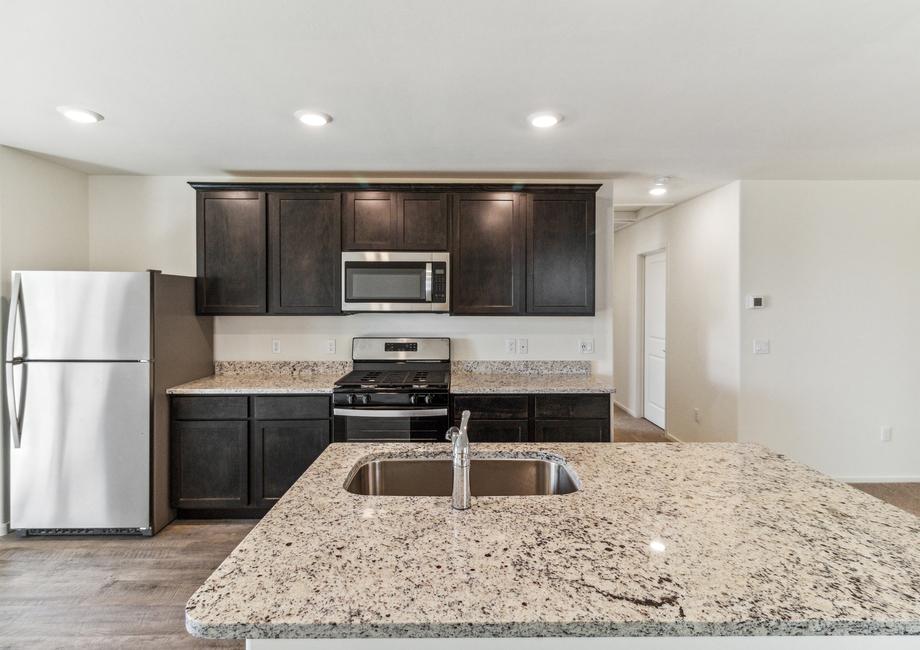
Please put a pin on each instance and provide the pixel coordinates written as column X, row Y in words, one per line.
column 488, row 477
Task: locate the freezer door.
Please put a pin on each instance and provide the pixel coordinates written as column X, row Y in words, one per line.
column 84, row 454
column 80, row 315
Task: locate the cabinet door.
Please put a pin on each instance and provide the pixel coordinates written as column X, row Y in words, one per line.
column 497, row 430
column 232, row 253
column 487, row 255
column 369, row 221
column 422, row 219
column 282, row 451
column 572, row 430
column 491, row 407
column 210, row 464
column 305, row 232
column 560, row 254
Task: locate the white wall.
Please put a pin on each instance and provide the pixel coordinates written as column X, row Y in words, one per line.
column 701, row 238
column 43, row 225
column 840, row 263
column 139, row 222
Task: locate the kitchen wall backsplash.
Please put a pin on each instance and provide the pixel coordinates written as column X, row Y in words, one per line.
column 523, row 367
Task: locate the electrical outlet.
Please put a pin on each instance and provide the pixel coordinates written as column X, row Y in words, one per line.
column 586, row 346
column 330, row 346
column 523, row 347
column 510, row 346
column 696, row 415
column 886, row 434
column 276, row 346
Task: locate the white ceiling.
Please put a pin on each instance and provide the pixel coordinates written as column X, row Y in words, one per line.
column 701, row 90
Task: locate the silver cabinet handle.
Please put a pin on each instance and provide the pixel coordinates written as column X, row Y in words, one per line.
column 388, row 413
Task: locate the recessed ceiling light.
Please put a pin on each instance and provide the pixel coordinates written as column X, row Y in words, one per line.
column 660, row 187
column 312, row 118
column 544, row 119
column 81, row 115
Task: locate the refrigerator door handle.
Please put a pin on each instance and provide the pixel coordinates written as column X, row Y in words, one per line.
column 11, row 361
column 12, row 406
column 13, row 317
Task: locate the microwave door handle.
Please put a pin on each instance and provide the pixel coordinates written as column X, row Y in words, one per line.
column 428, row 282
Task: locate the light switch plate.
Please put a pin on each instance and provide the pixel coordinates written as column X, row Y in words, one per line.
column 522, row 346
column 330, row 346
column 510, row 346
column 886, row 434
column 276, row 346
column 761, row 346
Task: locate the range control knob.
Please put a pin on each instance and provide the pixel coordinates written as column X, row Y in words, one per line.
column 350, row 398
column 429, row 399
column 363, row 399
column 414, row 399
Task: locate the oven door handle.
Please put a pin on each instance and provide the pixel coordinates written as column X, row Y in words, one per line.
column 388, row 413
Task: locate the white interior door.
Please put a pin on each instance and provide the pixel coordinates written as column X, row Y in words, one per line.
column 655, row 333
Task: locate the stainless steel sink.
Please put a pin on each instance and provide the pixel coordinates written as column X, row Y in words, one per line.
column 488, row 477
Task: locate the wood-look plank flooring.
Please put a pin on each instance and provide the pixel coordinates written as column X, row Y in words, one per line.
column 110, row 592
column 626, row 428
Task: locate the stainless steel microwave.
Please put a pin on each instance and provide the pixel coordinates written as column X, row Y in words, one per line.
column 395, row 281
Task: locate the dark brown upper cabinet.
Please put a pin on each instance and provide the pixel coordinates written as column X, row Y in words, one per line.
column 560, row 254
column 369, row 221
column 304, row 234
column 487, row 254
column 232, row 252
column 395, row 221
column 422, row 223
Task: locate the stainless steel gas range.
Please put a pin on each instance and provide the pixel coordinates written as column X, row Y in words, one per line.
column 398, row 391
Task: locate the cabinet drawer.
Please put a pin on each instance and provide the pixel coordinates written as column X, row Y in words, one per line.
column 218, row 407
column 572, row 406
column 290, row 407
column 497, row 430
column 491, row 407
column 572, row 431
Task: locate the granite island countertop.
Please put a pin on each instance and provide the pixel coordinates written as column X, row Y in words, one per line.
column 257, row 384
column 687, row 539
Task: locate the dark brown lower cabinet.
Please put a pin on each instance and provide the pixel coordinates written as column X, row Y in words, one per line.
column 210, row 464
column 235, row 456
column 572, row 431
column 281, row 452
column 552, row 417
column 498, row 430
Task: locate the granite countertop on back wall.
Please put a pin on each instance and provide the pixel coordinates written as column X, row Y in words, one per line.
column 496, row 377
column 711, row 539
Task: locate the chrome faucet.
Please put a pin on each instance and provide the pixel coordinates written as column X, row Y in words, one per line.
column 461, row 443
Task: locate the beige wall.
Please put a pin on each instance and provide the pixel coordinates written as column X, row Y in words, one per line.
column 139, row 222
column 701, row 239
column 43, row 225
column 840, row 264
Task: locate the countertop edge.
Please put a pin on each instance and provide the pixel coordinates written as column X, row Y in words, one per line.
column 529, row 630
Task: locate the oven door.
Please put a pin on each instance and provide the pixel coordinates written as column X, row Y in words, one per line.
column 389, row 425
column 384, row 281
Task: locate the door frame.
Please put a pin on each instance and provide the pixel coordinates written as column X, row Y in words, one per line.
column 640, row 329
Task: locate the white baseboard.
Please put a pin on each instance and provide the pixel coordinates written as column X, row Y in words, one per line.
column 4, row 528
column 915, row 478
column 628, row 410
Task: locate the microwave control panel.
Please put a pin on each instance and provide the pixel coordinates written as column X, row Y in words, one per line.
column 439, row 282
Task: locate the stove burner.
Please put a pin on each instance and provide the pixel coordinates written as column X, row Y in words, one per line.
column 394, row 378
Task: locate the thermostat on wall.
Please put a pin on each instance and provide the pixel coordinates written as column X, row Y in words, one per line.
column 755, row 302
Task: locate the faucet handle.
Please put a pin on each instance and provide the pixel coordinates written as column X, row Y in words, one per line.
column 452, row 433
column 464, row 421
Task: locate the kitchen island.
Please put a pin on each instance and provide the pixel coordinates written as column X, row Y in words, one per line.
column 684, row 541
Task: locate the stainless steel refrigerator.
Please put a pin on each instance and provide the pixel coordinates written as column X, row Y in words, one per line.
column 89, row 356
